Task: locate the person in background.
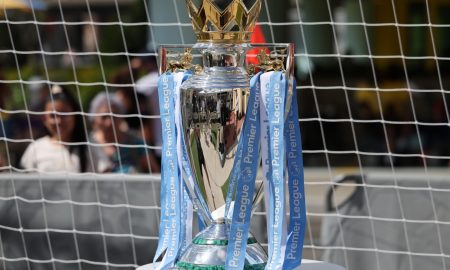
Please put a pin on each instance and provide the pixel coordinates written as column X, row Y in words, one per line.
column 125, row 93
column 118, row 149
column 38, row 93
column 147, row 85
column 64, row 147
column 14, row 127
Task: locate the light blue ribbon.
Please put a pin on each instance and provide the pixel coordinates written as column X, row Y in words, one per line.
column 184, row 196
column 237, row 241
column 169, row 230
column 174, row 196
column 276, row 111
column 297, row 205
column 235, row 173
column 283, row 135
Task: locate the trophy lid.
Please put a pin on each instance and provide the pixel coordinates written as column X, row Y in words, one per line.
column 223, row 21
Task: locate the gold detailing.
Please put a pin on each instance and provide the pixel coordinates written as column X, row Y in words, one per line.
column 273, row 61
column 251, row 69
column 183, row 62
column 233, row 24
column 198, row 69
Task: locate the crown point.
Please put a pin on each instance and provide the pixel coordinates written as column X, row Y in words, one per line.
column 224, row 20
column 249, row 3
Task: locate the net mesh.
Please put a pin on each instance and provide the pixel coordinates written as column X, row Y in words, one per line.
column 373, row 91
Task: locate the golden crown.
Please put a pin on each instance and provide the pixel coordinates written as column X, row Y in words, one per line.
column 224, row 20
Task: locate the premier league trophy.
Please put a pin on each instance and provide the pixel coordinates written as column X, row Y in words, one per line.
column 219, row 118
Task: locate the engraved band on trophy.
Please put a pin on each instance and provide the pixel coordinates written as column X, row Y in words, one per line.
column 209, row 84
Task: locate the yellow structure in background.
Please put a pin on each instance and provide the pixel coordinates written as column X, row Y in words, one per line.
column 418, row 29
column 12, row 4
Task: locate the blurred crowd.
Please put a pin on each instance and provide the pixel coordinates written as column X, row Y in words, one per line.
column 391, row 123
column 120, row 132
column 381, row 119
column 402, row 119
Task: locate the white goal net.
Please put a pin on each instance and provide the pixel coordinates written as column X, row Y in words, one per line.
column 80, row 144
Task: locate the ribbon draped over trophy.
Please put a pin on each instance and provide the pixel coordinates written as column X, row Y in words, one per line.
column 218, row 125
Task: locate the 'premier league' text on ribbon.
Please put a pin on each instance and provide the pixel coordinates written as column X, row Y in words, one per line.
column 167, row 127
column 296, row 199
column 276, row 108
column 297, row 207
column 246, row 182
column 174, row 202
column 253, row 122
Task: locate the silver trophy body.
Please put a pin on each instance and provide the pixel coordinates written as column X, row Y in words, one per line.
column 213, row 110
